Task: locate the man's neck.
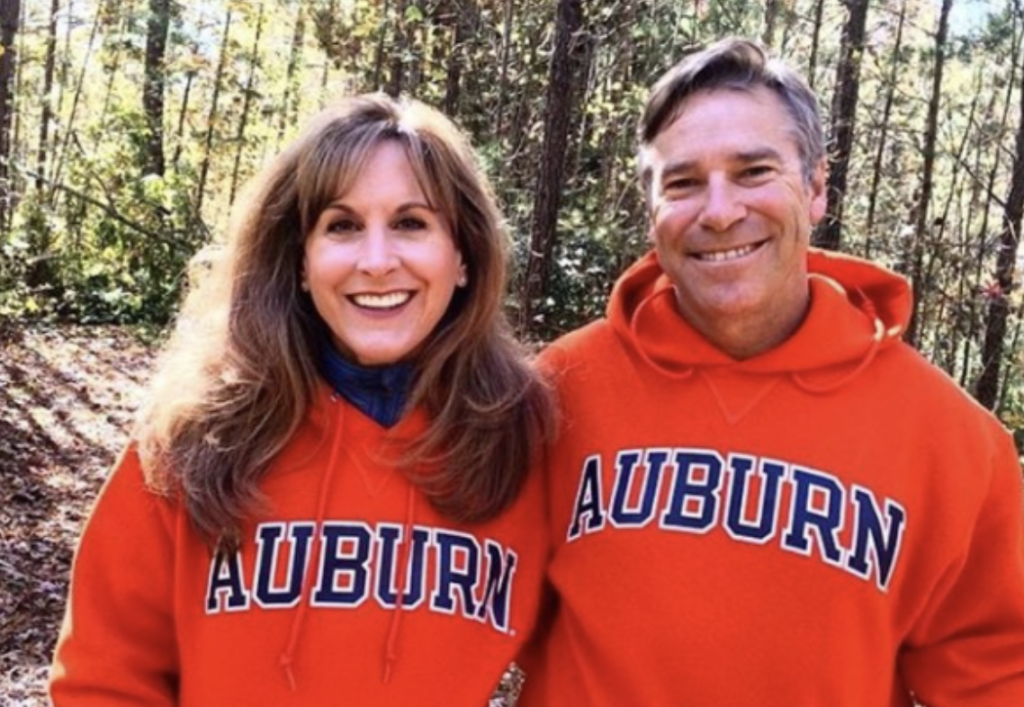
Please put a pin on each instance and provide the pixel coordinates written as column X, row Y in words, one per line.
column 744, row 337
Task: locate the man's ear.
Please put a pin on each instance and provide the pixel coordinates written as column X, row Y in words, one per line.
column 819, row 192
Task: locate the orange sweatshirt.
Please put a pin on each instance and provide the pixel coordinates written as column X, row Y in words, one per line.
column 832, row 522
column 308, row 612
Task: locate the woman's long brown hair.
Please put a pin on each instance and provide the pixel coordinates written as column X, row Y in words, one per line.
column 240, row 370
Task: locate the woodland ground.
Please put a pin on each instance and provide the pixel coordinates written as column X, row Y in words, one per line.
column 67, row 397
column 67, row 400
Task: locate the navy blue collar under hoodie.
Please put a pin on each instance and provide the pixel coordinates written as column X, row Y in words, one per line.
column 379, row 392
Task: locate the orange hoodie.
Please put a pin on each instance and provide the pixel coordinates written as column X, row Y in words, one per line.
column 309, row 612
column 832, row 522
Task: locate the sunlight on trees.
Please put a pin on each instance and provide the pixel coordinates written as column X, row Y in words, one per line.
column 127, row 129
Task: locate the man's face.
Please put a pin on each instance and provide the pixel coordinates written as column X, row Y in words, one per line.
column 731, row 214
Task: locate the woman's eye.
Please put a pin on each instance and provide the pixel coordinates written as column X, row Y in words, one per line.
column 342, row 225
column 410, row 223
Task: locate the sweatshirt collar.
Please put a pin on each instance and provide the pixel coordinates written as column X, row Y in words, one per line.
column 379, row 392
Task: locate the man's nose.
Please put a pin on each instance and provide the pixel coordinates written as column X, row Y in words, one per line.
column 723, row 205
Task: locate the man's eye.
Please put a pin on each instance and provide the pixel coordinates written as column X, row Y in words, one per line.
column 756, row 171
column 680, row 183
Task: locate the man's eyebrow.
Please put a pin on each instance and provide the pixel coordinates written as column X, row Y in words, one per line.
column 674, row 168
column 743, row 156
column 761, row 153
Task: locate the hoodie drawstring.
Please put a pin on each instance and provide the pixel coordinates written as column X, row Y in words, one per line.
column 287, row 657
column 391, row 647
column 876, row 345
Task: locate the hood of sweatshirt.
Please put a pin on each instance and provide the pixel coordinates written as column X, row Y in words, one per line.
column 857, row 309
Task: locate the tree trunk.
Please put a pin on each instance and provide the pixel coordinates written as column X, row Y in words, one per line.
column 771, row 18
column 453, row 80
column 981, row 201
column 211, row 118
column 243, row 120
column 328, row 44
column 19, row 151
column 400, row 45
column 1005, row 277
column 113, row 73
column 564, row 68
column 953, row 268
column 179, row 135
column 61, row 156
column 10, row 12
column 522, row 116
column 47, row 113
column 812, row 63
column 927, row 176
column 378, row 62
column 157, row 29
column 290, row 101
column 844, row 118
column 883, row 131
column 506, row 53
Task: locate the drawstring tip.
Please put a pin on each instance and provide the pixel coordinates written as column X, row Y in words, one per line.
column 387, row 671
column 286, row 665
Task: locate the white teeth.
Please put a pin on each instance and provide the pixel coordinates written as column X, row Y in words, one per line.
column 722, row 255
column 384, row 301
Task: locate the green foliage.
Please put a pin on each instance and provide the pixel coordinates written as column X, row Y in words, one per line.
column 102, row 241
column 110, row 246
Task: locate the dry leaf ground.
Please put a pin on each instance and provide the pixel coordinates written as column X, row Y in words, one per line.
column 67, row 399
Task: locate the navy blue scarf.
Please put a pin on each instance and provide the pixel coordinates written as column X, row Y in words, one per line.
column 379, row 392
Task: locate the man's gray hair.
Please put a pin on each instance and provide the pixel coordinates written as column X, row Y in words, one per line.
column 741, row 65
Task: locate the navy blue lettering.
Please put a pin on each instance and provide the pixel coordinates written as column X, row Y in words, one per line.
column 389, row 537
column 343, row 565
column 761, row 528
column 693, row 502
column 268, row 551
column 458, row 561
column 225, row 590
column 817, row 505
column 876, row 542
column 498, row 591
column 622, row 515
column 588, row 500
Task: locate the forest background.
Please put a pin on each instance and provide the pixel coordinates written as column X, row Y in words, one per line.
column 128, row 128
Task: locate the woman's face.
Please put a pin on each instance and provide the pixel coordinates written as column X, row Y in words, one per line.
column 380, row 264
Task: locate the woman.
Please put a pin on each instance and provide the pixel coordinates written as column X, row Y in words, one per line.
column 327, row 502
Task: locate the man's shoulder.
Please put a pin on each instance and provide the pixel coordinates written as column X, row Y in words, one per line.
column 597, row 331
column 581, row 351
column 927, row 385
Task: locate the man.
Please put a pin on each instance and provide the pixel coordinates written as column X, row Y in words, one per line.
column 761, row 496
